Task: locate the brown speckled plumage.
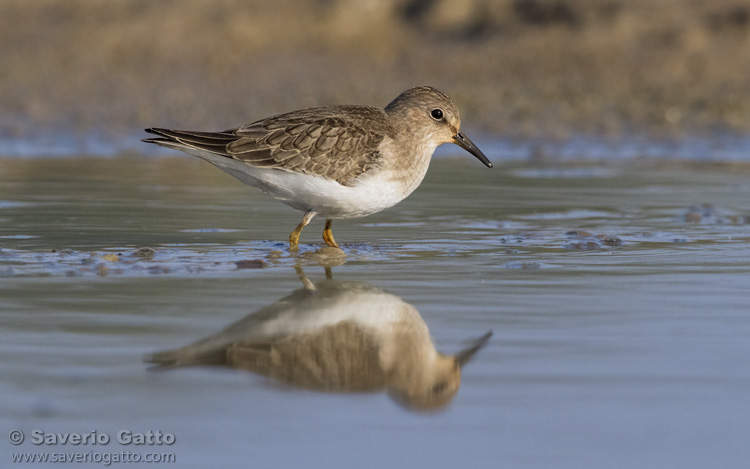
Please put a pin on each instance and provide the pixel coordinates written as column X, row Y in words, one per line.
column 336, row 142
column 341, row 357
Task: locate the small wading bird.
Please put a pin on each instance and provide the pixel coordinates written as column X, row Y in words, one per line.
column 336, row 337
column 335, row 161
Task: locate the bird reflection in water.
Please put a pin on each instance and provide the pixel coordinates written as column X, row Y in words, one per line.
column 337, row 337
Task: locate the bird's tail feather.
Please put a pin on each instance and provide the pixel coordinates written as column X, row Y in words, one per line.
column 214, row 142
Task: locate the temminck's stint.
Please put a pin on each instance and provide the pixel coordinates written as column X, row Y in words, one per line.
column 337, row 337
column 335, row 161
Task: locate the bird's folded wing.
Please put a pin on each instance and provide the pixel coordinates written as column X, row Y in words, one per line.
column 341, row 358
column 338, row 143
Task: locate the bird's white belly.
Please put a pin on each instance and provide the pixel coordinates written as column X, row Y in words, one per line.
column 371, row 194
column 329, row 198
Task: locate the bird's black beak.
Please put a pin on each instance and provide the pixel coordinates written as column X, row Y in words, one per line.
column 463, row 141
column 465, row 355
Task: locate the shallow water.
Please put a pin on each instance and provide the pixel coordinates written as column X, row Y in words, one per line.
column 617, row 293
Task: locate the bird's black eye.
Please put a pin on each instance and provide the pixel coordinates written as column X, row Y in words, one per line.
column 437, row 114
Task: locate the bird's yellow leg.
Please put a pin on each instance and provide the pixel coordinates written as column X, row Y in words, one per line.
column 294, row 237
column 328, row 234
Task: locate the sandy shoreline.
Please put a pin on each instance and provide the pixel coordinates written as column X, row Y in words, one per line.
column 522, row 68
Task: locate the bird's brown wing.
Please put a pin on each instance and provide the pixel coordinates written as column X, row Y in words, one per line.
column 341, row 358
column 336, row 142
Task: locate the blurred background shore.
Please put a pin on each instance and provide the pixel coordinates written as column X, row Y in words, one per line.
column 517, row 68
